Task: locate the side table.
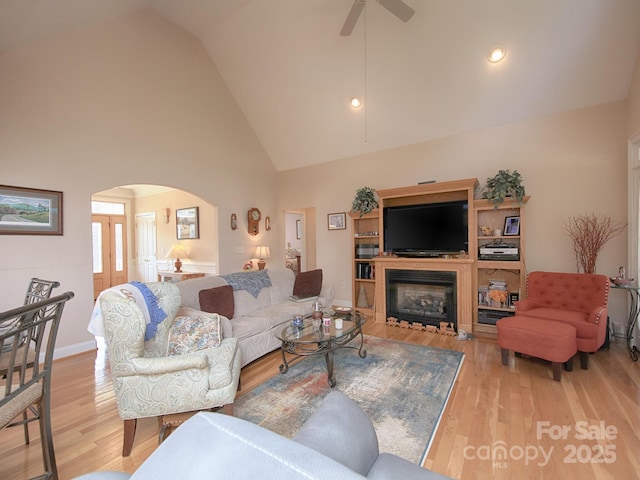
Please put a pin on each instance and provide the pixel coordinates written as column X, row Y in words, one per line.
column 178, row 276
column 634, row 310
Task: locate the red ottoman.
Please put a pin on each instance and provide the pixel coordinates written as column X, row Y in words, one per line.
column 546, row 339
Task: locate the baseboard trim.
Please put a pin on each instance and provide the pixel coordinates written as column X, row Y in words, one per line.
column 73, row 349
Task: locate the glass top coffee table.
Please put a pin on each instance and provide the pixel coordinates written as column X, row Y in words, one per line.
column 307, row 340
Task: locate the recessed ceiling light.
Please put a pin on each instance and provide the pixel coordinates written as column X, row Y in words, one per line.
column 496, row 54
column 355, row 102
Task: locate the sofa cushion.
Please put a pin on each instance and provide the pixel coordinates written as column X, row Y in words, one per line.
column 244, row 327
column 217, row 300
column 308, row 284
column 245, row 303
column 282, row 280
column 282, row 312
column 341, row 430
column 190, row 334
column 190, row 289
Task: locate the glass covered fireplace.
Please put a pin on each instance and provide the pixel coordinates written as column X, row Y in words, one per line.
column 428, row 297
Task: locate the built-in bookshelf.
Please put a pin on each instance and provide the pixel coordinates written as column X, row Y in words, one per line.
column 476, row 276
column 499, row 279
column 365, row 248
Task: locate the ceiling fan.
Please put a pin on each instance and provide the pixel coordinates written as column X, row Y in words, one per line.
column 400, row 9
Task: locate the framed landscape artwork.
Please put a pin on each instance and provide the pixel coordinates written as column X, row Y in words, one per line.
column 30, row 211
column 187, row 223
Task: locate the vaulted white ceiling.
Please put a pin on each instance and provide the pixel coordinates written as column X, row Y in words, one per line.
column 293, row 75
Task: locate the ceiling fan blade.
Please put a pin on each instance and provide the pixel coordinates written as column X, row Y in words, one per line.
column 400, row 9
column 352, row 17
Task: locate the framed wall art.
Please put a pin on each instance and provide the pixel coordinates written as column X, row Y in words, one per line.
column 512, row 226
column 187, row 223
column 30, row 211
column 337, row 221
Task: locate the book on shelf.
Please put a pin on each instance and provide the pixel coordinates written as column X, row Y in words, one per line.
column 365, row 271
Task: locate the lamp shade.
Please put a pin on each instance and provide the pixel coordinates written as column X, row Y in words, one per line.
column 177, row 251
column 263, row 252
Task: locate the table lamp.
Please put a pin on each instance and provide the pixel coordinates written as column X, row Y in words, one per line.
column 177, row 251
column 262, row 252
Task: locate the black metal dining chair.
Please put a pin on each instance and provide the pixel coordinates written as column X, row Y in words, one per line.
column 37, row 291
column 30, row 328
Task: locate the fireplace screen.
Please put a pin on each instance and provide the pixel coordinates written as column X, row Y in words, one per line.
column 428, row 297
column 424, row 300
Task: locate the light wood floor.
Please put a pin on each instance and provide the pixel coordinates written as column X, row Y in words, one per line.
column 491, row 406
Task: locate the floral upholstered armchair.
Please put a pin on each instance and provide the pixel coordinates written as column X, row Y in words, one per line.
column 188, row 364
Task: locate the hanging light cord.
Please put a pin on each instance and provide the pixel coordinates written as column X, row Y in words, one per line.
column 365, row 73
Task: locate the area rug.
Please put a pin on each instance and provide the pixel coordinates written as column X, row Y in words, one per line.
column 403, row 388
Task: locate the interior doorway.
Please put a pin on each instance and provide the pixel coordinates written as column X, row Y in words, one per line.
column 294, row 245
column 300, row 234
column 146, row 256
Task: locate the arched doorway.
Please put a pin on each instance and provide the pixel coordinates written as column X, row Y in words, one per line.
column 150, row 230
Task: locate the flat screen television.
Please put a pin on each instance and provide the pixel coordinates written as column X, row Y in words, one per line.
column 426, row 230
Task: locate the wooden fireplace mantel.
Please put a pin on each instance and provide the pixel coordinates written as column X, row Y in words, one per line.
column 463, row 267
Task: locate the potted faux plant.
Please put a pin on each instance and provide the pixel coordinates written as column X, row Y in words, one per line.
column 365, row 200
column 504, row 184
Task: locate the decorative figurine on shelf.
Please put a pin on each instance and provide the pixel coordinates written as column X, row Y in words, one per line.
column 485, row 230
column 498, row 296
column 621, row 279
column 362, row 298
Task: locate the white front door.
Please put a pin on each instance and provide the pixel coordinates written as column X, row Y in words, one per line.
column 146, row 247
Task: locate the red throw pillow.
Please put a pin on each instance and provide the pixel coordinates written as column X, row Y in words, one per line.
column 308, row 284
column 217, row 300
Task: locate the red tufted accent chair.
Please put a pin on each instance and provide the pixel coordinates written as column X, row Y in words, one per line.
column 578, row 299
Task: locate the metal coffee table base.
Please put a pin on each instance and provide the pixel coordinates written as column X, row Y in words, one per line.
column 322, row 347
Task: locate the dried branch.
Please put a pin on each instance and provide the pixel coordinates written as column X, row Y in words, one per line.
column 589, row 233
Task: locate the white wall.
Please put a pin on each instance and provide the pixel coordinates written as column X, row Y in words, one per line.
column 134, row 100
column 137, row 100
column 572, row 163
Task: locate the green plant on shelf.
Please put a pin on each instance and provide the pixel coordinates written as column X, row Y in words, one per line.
column 503, row 185
column 365, row 201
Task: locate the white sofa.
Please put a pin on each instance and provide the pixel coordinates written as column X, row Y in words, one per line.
column 256, row 320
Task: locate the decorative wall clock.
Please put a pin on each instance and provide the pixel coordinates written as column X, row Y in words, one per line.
column 254, row 216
